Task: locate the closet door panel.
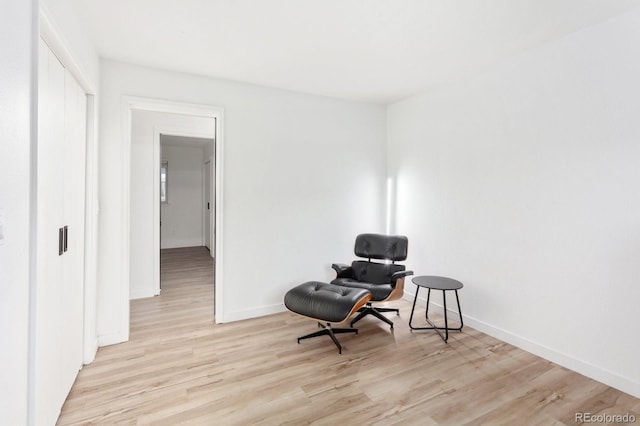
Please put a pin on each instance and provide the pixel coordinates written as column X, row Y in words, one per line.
column 74, row 213
column 60, row 205
column 50, row 218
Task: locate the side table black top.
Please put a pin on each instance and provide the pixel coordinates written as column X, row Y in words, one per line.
column 433, row 282
column 437, row 283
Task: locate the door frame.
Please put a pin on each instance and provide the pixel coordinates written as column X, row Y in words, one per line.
column 130, row 104
column 208, row 164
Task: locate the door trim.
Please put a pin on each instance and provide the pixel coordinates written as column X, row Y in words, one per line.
column 208, row 163
column 131, row 103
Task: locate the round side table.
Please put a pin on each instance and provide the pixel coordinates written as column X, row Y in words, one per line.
column 432, row 282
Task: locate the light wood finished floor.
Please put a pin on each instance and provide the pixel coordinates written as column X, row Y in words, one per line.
column 179, row 368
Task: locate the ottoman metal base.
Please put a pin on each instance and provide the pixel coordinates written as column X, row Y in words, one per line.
column 331, row 331
column 326, row 303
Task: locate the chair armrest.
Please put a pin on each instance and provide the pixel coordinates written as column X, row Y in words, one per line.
column 400, row 274
column 342, row 270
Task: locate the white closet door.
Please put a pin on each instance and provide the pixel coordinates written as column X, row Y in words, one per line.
column 75, row 106
column 50, row 197
column 60, row 276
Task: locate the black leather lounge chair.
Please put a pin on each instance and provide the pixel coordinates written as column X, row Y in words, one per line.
column 384, row 280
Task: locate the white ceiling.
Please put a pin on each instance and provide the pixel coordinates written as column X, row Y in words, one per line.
column 369, row 50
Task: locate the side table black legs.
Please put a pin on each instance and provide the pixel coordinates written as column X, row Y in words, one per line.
column 446, row 327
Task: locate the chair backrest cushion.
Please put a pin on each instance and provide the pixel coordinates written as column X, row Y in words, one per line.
column 379, row 246
column 374, row 273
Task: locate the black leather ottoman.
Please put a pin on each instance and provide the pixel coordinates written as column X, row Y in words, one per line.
column 326, row 303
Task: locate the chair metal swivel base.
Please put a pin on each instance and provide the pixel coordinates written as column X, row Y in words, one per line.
column 331, row 332
column 376, row 312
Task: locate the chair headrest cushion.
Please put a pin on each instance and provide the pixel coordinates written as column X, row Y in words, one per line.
column 379, row 246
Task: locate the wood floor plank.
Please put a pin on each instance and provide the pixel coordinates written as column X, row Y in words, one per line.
column 180, row 368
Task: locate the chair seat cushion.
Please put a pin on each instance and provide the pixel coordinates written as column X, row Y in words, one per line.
column 378, row 291
column 325, row 302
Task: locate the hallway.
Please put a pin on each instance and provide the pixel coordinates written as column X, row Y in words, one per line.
column 186, row 276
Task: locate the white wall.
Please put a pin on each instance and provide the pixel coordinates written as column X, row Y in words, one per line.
column 523, row 183
column 182, row 213
column 17, row 114
column 144, row 181
column 294, row 166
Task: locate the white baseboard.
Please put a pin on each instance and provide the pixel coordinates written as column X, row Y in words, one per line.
column 140, row 295
column 112, row 339
column 90, row 351
column 180, row 243
column 583, row 367
column 253, row 312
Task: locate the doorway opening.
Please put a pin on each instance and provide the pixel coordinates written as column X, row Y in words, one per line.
column 181, row 140
column 187, row 214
